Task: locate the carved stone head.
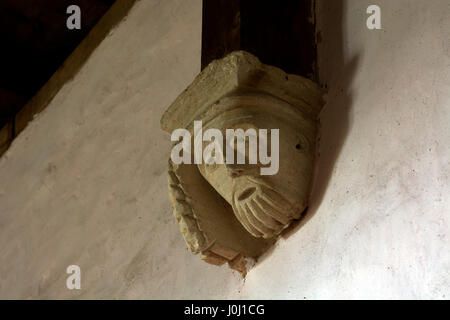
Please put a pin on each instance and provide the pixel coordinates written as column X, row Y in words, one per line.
column 256, row 198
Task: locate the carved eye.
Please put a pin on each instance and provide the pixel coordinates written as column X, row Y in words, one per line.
column 211, row 167
column 302, row 144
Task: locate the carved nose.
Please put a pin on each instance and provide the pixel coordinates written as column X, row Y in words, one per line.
column 246, row 193
column 235, row 170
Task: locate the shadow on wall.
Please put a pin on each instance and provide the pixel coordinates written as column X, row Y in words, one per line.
column 336, row 73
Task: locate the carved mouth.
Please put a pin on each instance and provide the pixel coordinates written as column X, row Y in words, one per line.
column 263, row 212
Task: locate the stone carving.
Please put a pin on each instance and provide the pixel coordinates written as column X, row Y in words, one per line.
column 230, row 212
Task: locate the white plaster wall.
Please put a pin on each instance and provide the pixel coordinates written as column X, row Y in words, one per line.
column 85, row 182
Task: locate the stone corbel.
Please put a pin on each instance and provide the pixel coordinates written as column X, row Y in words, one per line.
column 232, row 213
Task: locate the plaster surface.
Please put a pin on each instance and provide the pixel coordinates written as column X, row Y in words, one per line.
column 85, row 182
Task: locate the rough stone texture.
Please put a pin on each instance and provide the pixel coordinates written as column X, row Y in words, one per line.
column 236, row 92
column 83, row 183
column 205, row 219
column 240, row 72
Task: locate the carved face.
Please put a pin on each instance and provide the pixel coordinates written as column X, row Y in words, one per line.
column 264, row 204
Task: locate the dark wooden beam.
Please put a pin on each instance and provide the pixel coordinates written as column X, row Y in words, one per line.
column 220, row 29
column 35, row 43
column 279, row 33
column 16, row 109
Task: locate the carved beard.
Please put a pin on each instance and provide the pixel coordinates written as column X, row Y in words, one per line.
column 262, row 211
